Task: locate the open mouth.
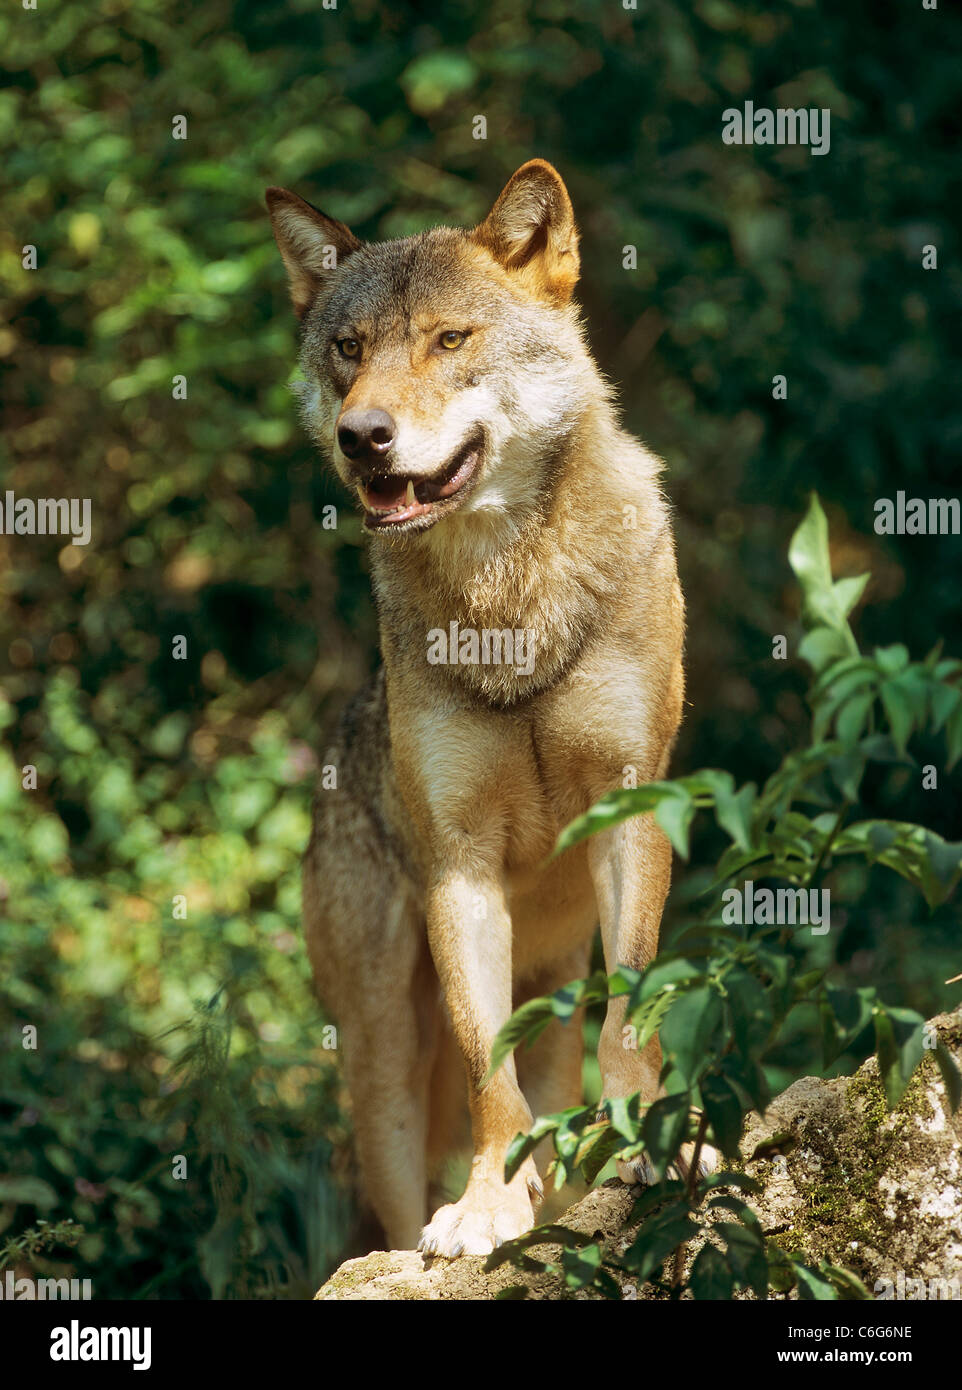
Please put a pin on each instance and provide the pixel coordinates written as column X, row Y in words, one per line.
column 397, row 500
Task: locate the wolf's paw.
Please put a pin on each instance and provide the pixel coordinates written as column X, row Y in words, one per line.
column 487, row 1215
column 640, row 1171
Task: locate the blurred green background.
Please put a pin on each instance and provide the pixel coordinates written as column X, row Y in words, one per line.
column 159, row 1035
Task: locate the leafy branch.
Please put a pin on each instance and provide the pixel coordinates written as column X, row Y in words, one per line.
column 724, row 998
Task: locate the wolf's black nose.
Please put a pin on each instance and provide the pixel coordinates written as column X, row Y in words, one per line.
column 365, row 434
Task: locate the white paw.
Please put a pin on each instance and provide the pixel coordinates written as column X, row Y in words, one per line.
column 486, row 1216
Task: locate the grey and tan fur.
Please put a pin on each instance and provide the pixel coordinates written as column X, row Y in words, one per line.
column 450, row 384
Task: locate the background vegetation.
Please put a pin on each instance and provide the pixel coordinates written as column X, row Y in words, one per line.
column 159, row 1036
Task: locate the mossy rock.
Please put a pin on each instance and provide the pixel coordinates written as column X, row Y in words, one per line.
column 843, row 1178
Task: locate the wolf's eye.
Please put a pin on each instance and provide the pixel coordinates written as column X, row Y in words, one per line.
column 348, row 347
column 451, row 338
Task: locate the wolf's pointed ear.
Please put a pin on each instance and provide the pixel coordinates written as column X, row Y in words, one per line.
column 531, row 229
column 311, row 244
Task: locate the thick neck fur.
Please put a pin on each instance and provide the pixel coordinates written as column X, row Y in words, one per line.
column 549, row 567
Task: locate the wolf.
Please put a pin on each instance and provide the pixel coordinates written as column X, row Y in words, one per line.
column 449, row 382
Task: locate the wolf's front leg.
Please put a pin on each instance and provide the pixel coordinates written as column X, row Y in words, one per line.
column 469, row 930
column 631, row 870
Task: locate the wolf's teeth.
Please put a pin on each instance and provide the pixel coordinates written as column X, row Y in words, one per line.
column 360, row 493
column 410, row 499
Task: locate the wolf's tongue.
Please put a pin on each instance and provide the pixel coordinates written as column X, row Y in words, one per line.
column 387, row 493
column 430, row 491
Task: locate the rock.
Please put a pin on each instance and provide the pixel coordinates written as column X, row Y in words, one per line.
column 404, row 1274
column 877, row 1192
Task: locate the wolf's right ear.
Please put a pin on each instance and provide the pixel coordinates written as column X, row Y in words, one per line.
column 311, row 244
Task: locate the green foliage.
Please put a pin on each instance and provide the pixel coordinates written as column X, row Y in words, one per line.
column 726, row 997
column 109, row 975
column 44, row 1236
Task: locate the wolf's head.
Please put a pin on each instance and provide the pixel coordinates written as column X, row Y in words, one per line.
column 443, row 370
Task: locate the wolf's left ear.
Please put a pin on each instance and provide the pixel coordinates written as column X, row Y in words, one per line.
column 311, row 244
column 531, row 229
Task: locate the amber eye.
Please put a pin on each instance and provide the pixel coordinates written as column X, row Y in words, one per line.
column 348, row 347
column 451, row 338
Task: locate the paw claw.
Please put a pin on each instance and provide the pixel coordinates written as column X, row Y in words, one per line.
column 639, row 1172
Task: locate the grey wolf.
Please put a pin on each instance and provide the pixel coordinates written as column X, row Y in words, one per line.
column 450, row 385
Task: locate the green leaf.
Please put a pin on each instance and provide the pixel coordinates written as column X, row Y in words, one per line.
column 841, row 689
column 581, row 1267
column 525, row 1024
column 847, row 1284
column 725, row 1177
column 690, row 1030
column 746, row 1255
column 780, row 967
column 891, row 660
column 844, row 676
column 748, row 1079
column 750, row 1011
column 825, row 604
column 811, row 1285
column 657, row 1238
column 898, row 711
column 854, row 716
column 932, row 864
column 674, row 814
column 618, row 806
column 803, row 985
column 850, row 1011
column 724, row 1112
column 733, row 810
column 783, row 1141
column 569, row 1138
column 847, row 771
column 28, row 1191
column 664, row 1128
column 523, row 1144
column 822, row 647
column 601, row 1151
column 623, row 980
column 528, row 1022
column 953, row 736
column 667, row 970
column 608, row 1285
column 945, row 699
column 431, row 79
column 655, row 1196
column 899, row 1046
column 514, row 1251
column 781, row 1269
column 942, row 867
column 710, row 1275
column 623, row 1113
column 832, row 1045
column 648, row 1016
column 848, row 591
